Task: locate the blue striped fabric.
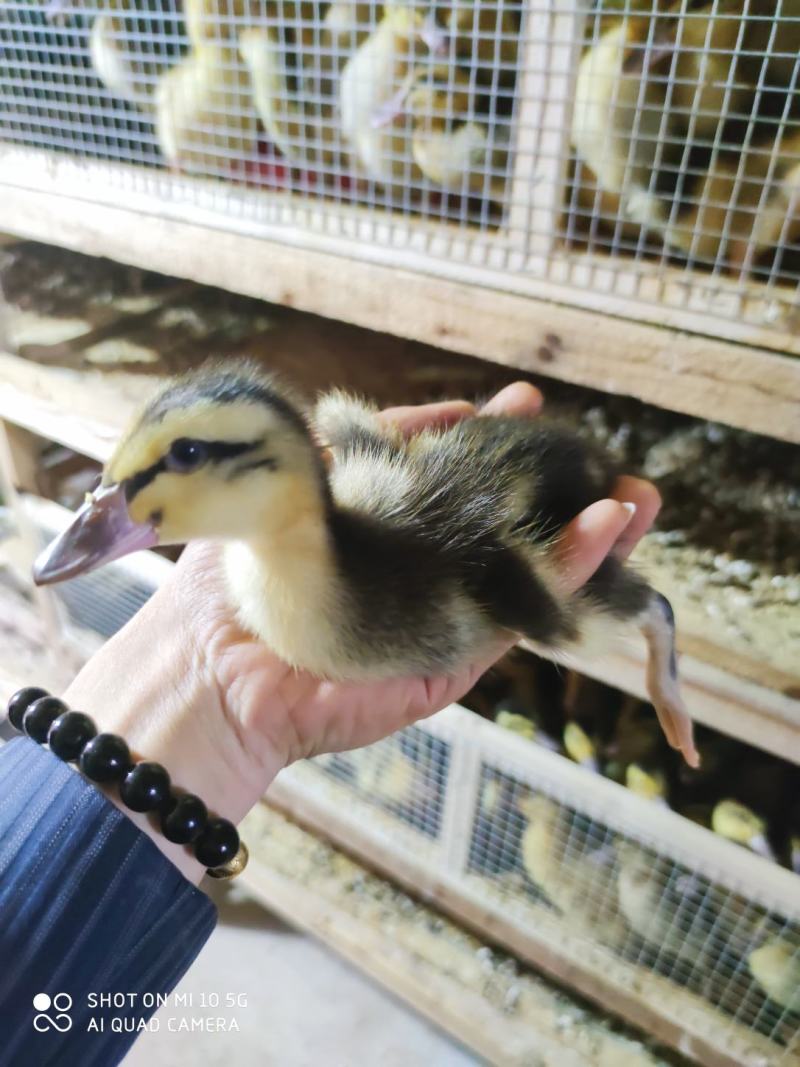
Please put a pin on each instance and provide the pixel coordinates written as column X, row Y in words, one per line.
column 88, row 906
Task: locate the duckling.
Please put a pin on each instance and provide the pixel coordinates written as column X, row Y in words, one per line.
column 649, row 785
column 205, row 118
column 618, row 118
column 406, row 557
column 738, row 823
column 347, row 24
column 301, row 136
column 373, row 89
column 702, row 60
column 215, row 22
column 448, row 145
column 775, row 965
column 576, row 878
column 516, row 724
column 580, row 747
column 668, row 908
column 119, row 65
column 385, row 775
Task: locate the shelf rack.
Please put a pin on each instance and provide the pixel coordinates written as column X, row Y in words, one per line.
column 576, row 332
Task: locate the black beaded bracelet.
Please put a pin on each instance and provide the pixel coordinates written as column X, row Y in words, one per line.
column 143, row 786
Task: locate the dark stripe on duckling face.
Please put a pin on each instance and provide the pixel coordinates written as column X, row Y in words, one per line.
column 212, row 452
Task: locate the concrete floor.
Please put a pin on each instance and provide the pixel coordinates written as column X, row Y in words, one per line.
column 305, row 1007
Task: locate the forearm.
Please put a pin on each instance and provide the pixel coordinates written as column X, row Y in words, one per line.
column 147, row 685
column 88, row 905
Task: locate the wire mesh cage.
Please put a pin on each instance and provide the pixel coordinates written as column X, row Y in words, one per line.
column 627, row 152
column 660, row 918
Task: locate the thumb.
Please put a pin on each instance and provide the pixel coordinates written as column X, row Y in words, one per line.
column 588, row 539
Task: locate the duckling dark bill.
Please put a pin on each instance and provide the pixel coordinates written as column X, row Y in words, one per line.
column 405, row 556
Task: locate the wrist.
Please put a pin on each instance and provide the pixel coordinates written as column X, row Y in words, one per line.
column 149, row 685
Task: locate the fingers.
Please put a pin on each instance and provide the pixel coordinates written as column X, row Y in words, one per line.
column 588, row 539
column 519, row 398
column 648, row 504
column 427, row 416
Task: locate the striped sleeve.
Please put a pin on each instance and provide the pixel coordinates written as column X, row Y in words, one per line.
column 88, row 906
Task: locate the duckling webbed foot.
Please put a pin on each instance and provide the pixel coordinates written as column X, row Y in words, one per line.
column 658, row 626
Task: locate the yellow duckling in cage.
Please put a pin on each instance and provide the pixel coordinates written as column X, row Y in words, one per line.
column 405, row 558
column 448, row 145
column 204, row 115
column 373, row 88
column 669, row 908
column 650, row 785
column 618, row 118
column 120, row 65
column 567, row 865
column 580, row 747
column 304, row 136
column 739, row 823
column 775, row 966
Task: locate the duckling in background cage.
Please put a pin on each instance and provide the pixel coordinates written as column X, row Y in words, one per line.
column 571, row 861
column 686, row 119
column 373, row 89
column 740, row 824
column 775, row 966
column 448, row 144
column 127, row 67
column 303, row 134
column 205, row 118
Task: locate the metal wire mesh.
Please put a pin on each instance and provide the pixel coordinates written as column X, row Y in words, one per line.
column 647, row 151
column 405, row 775
column 690, row 934
column 638, row 901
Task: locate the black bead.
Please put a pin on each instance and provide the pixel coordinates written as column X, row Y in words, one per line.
column 20, row 702
column 40, row 716
column 186, row 821
column 218, row 843
column 105, row 758
column 69, row 735
column 145, row 787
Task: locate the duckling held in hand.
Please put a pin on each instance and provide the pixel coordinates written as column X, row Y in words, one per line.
column 407, row 557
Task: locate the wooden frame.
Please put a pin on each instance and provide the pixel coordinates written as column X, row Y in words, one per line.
column 480, row 308
column 673, row 1015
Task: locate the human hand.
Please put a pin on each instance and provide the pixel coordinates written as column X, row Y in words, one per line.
column 187, row 686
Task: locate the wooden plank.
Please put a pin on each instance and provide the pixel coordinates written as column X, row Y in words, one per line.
column 753, row 388
column 87, row 410
column 667, row 1012
column 441, row 976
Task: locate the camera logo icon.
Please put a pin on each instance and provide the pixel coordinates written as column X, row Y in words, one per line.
column 58, row 1005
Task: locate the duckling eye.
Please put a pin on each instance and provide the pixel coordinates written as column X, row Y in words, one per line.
column 186, row 455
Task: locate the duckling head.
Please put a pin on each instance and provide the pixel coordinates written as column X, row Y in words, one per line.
column 221, row 455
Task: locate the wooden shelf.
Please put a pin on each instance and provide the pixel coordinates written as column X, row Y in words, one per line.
column 561, row 947
column 86, row 410
column 497, row 314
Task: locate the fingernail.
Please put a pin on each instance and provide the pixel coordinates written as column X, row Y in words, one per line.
column 630, row 507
